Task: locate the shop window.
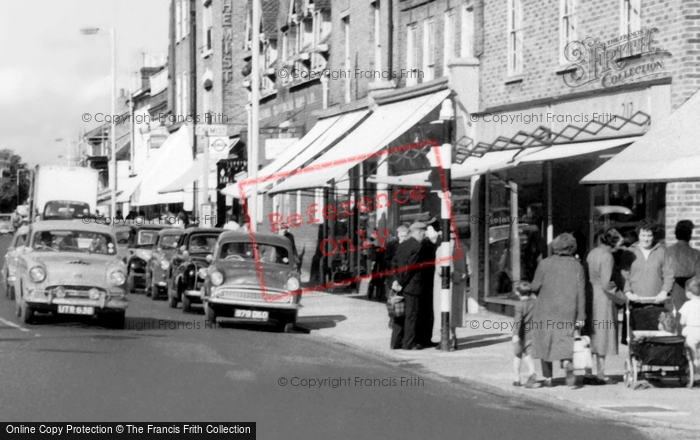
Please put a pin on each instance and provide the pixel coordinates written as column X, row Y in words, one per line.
column 524, row 186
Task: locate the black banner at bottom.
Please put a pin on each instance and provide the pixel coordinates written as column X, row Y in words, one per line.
column 239, row 430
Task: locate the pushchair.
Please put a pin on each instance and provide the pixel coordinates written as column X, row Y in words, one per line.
column 654, row 354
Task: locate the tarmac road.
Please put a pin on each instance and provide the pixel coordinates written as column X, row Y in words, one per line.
column 173, row 367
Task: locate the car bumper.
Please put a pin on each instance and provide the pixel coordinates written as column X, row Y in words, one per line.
column 276, row 312
column 100, row 305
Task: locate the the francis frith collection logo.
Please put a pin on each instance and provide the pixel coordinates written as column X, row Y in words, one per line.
column 614, row 62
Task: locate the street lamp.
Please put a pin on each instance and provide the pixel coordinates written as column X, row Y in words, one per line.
column 439, row 171
column 113, row 135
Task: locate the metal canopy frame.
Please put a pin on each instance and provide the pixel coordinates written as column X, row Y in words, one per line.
column 544, row 137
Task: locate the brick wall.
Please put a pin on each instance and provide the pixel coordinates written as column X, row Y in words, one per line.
column 682, row 203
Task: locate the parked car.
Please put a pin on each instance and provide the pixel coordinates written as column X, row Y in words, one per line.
column 193, row 247
column 138, row 252
column 9, row 267
column 159, row 266
column 233, row 287
column 5, row 223
column 71, row 268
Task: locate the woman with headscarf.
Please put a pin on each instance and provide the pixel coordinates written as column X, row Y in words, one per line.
column 601, row 266
column 560, row 308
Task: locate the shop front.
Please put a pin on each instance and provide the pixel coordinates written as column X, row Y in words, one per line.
column 526, row 189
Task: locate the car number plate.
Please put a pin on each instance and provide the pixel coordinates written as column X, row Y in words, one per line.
column 76, row 310
column 251, row 314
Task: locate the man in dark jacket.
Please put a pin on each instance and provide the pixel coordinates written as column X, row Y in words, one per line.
column 411, row 286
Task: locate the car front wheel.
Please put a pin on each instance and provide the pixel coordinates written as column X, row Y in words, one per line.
column 114, row 320
column 186, row 304
column 209, row 313
column 26, row 313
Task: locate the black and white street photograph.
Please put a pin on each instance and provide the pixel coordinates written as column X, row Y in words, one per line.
column 350, row 219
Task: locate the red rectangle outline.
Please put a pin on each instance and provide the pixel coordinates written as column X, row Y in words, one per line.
column 354, row 159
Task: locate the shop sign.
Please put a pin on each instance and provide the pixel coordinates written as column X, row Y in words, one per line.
column 611, row 62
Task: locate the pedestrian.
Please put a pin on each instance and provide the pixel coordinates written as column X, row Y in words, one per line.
column 560, row 307
column 119, row 216
column 650, row 274
column 411, row 285
column 522, row 333
column 684, row 262
column 601, row 265
column 389, row 257
column 690, row 319
column 459, row 272
column 433, row 283
column 231, row 224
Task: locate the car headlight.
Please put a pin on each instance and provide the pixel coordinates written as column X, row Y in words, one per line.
column 293, row 284
column 116, row 278
column 202, row 273
column 37, row 274
column 217, row 278
column 94, row 293
column 164, row 264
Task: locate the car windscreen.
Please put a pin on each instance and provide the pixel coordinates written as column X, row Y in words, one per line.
column 74, row 241
column 169, row 241
column 61, row 210
column 267, row 253
column 146, row 238
column 123, row 236
column 20, row 240
column 201, row 243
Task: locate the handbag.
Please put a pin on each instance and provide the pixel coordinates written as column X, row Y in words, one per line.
column 582, row 352
column 395, row 305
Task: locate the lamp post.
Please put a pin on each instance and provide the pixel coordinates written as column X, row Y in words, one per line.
column 255, row 122
column 113, row 133
column 442, row 171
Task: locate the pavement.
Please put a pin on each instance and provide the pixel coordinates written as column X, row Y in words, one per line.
column 484, row 358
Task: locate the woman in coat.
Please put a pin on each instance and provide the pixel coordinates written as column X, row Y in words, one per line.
column 560, row 307
column 601, row 266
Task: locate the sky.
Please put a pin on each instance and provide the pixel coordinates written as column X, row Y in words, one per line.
column 51, row 74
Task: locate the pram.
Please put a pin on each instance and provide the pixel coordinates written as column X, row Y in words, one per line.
column 650, row 347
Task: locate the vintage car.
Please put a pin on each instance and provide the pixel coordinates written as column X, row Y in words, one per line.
column 137, row 256
column 9, row 267
column 159, row 267
column 71, row 268
column 191, row 255
column 255, row 283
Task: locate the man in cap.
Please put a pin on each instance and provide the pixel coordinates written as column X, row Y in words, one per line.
column 684, row 261
column 409, row 282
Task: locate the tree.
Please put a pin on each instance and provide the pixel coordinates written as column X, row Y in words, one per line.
column 8, row 181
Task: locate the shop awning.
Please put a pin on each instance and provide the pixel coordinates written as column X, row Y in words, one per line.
column 174, row 158
column 563, row 151
column 186, row 179
column 382, row 127
column 417, row 179
column 489, row 162
column 126, row 188
column 669, row 152
column 324, row 133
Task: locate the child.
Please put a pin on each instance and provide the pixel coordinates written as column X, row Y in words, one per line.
column 522, row 335
column 690, row 318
